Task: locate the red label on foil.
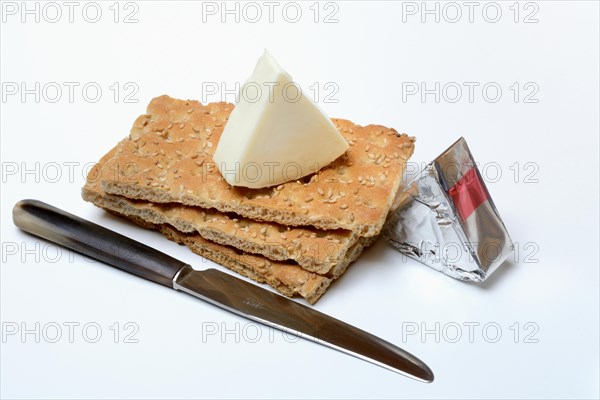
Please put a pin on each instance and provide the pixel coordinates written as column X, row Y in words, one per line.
column 468, row 194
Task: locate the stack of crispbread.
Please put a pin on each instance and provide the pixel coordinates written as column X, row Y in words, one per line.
column 297, row 237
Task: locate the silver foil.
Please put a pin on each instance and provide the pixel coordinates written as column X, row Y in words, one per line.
column 447, row 219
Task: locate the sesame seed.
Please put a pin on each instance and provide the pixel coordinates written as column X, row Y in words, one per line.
column 263, row 230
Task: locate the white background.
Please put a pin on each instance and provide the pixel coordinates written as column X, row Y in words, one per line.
column 369, row 53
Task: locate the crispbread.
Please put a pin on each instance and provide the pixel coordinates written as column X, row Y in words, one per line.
column 287, row 278
column 138, row 210
column 313, row 249
column 167, row 158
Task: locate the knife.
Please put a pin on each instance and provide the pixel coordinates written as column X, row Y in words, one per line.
column 213, row 286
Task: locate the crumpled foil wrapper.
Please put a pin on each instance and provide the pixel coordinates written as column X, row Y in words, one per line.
column 447, row 219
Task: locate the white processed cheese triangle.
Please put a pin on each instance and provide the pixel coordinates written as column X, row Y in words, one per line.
column 275, row 133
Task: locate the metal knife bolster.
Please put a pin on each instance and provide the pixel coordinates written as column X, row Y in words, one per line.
column 221, row 289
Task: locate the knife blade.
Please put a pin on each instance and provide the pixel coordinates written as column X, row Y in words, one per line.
column 216, row 287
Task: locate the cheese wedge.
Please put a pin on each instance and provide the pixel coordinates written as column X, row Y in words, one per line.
column 275, row 133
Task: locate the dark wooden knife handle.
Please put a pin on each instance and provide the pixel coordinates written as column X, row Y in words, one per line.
column 95, row 241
